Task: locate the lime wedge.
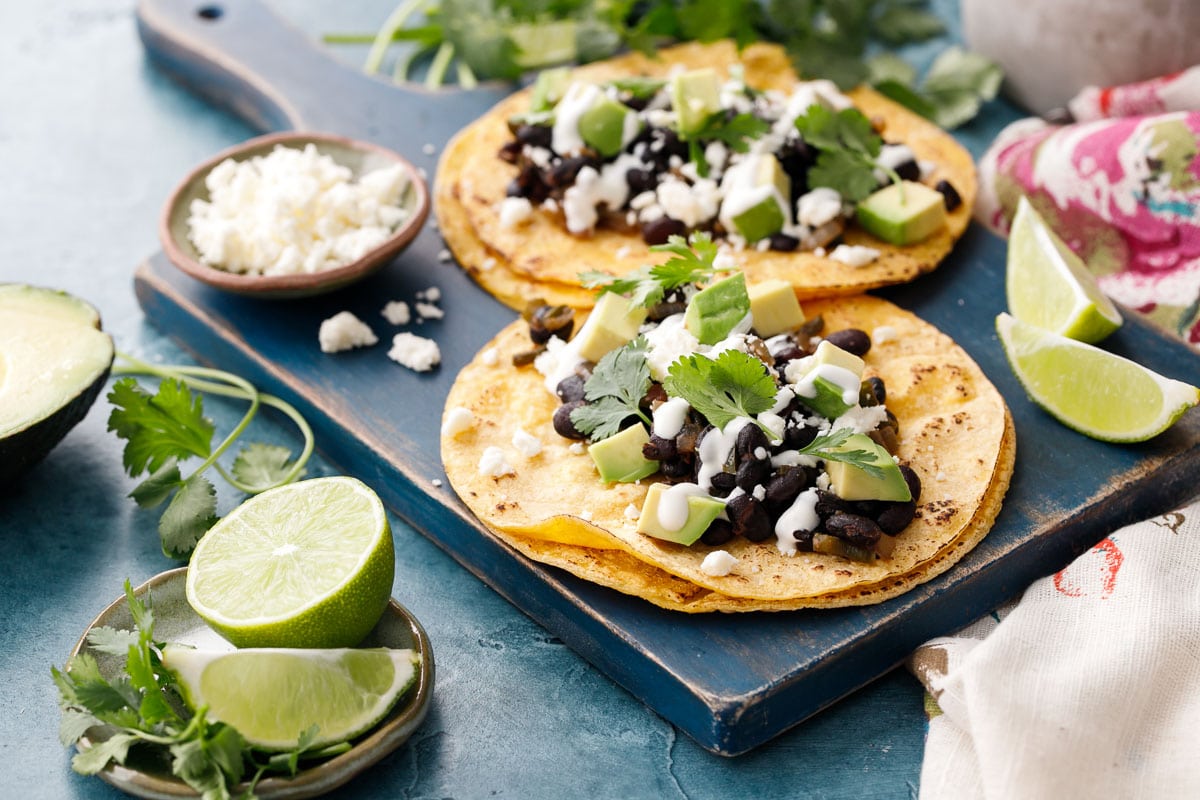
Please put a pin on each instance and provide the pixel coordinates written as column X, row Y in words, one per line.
column 1049, row 286
column 1093, row 391
column 309, row 564
column 271, row 696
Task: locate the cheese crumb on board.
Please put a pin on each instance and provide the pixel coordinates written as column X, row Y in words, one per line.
column 294, row 212
column 397, row 312
column 415, row 352
column 344, row 331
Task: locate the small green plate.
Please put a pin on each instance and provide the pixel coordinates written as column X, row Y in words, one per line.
column 174, row 621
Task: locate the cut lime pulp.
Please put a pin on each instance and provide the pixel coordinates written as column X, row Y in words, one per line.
column 1091, row 390
column 271, row 696
column 1049, row 286
column 309, row 564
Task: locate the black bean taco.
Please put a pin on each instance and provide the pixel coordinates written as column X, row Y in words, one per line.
column 728, row 448
column 589, row 169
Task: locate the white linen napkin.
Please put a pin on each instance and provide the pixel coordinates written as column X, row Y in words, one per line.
column 1087, row 687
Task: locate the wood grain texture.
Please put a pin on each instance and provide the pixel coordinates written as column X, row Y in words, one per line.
column 730, row 682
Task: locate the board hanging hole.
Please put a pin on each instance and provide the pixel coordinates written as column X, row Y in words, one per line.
column 210, row 13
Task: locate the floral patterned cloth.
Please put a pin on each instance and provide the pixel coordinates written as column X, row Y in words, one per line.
column 1121, row 185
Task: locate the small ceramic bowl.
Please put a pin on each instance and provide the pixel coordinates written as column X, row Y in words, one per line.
column 360, row 157
column 174, row 621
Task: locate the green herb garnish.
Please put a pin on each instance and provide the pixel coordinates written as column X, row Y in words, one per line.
column 692, row 261
column 614, row 391
column 732, row 385
column 162, row 429
column 143, row 707
column 735, row 133
column 825, row 447
column 847, row 147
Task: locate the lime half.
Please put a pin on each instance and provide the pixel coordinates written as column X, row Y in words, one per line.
column 309, row 564
column 1049, row 286
column 1093, row 391
column 271, row 696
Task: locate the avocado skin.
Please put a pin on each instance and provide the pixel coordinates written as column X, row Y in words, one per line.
column 25, row 448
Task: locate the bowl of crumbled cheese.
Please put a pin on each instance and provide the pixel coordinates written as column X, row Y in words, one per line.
column 293, row 214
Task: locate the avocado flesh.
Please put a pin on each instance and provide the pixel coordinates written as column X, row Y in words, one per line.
column 853, row 483
column 549, row 88
column 619, row 458
column 702, row 510
column 613, row 322
column 829, row 399
column 774, row 307
column 603, row 126
column 54, row 361
column 695, row 96
column 903, row 213
column 717, row 309
column 758, row 188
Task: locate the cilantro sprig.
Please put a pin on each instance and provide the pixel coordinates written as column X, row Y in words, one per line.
column 692, row 261
column 614, row 391
column 167, row 427
column 847, row 147
column 736, row 133
column 142, row 707
column 825, row 446
column 732, row 385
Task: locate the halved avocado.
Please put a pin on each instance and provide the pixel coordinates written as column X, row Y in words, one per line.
column 54, row 360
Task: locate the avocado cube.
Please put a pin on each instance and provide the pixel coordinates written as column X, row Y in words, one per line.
column 850, row 482
column 717, row 309
column 831, row 385
column 756, row 199
column 695, row 96
column 774, row 306
column 613, row 322
column 549, row 88
column 701, row 511
column 619, row 458
column 604, row 126
column 903, row 213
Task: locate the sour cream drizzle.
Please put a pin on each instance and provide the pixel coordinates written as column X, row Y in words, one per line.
column 800, row 516
column 673, row 505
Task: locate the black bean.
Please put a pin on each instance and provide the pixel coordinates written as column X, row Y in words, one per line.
column 564, row 173
column 547, row 321
column 658, row 231
column 855, row 529
column 510, row 152
column 661, row 311
column 659, row 449
column 723, row 483
column 751, row 473
column 719, row 532
column 689, row 437
column 563, row 425
column 676, row 469
column 852, row 340
column 895, row 517
column 913, row 481
column 641, row 180
column 909, row 170
column 570, row 389
column 535, row 135
column 885, row 437
column 804, row 540
column 797, row 436
column 527, row 357
column 784, row 487
column 796, row 157
column 529, row 184
column 949, row 194
column 783, row 242
column 785, row 352
column 873, row 392
column 749, row 518
column 655, row 396
column 829, row 504
column 749, row 439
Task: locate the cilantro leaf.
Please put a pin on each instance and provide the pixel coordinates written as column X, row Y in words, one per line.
column 732, row 385
column 736, row 133
column 190, row 514
column 826, row 447
column 904, row 22
column 170, row 424
column 263, row 465
column 614, row 391
column 847, row 146
column 112, row 641
column 646, row 286
column 158, row 487
column 641, row 87
column 845, row 173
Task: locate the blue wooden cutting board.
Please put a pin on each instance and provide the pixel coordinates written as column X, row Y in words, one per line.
column 729, row 681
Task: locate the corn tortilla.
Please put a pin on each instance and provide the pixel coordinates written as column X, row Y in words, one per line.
column 955, row 432
column 471, row 183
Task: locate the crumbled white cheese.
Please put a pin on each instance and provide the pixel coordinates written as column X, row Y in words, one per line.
column 428, row 149
column 526, row 443
column 437, row 483
column 585, row 515
column 718, row 564
column 294, row 211
column 444, row 255
column 861, row 419
column 415, row 352
column 892, row 156
column 759, row 492
column 514, row 211
column 854, row 255
column 431, row 295
column 488, row 264
column 884, row 333
column 344, row 331
column 428, row 311
column 396, row 312
column 632, row 512
column 577, row 448
column 818, row 206
column 691, row 205
column 458, row 420
column 494, row 463
column 490, row 357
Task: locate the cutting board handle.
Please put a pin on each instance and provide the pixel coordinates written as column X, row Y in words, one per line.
column 241, row 56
